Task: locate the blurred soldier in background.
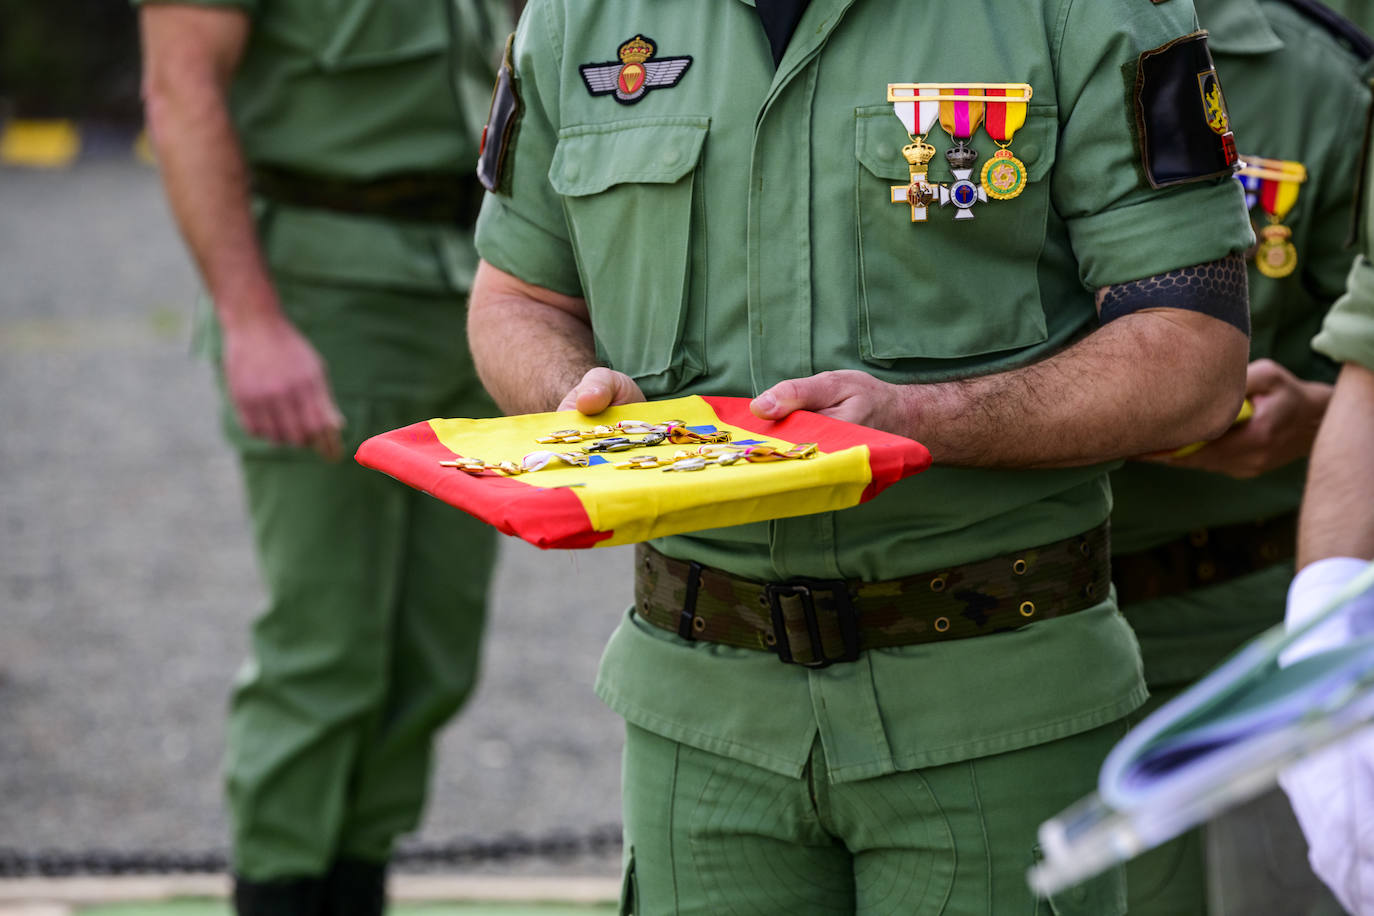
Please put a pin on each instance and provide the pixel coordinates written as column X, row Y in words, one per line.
column 318, row 159
column 1333, row 792
column 1204, row 542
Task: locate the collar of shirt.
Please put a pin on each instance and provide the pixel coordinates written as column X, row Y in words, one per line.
column 1237, row 27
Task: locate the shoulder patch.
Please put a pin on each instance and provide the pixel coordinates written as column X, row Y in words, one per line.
column 1182, row 125
column 1342, row 29
column 637, row 71
column 501, row 120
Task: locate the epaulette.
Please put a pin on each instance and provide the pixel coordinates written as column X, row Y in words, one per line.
column 1343, row 30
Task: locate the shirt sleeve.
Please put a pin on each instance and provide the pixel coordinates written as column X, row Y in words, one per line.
column 522, row 229
column 1121, row 228
column 249, row 6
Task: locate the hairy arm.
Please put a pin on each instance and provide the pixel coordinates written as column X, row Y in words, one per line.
column 276, row 380
column 1338, row 505
column 1161, row 375
column 534, row 351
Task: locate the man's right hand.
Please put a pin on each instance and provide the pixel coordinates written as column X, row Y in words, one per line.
column 279, row 386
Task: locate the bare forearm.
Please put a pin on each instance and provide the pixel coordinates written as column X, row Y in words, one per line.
column 1338, row 505
column 1147, row 381
column 199, row 156
column 529, row 353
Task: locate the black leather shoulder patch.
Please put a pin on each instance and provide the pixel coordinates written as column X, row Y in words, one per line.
column 1182, row 125
column 500, row 127
column 1343, row 30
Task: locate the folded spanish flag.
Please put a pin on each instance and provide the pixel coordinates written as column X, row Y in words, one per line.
column 600, row 505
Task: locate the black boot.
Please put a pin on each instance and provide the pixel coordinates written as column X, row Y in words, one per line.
column 355, row 888
column 280, row 897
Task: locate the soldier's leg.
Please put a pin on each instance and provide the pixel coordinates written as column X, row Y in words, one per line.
column 330, row 551
column 1169, row 880
column 436, row 631
column 706, row 835
column 958, row 839
column 1257, row 863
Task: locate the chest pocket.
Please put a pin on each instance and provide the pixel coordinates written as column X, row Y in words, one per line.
column 947, row 288
column 630, row 187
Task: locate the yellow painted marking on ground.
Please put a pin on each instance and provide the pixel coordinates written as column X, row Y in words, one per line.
column 143, row 149
column 40, row 144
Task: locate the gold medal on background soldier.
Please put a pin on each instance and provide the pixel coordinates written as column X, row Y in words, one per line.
column 917, row 114
column 1004, row 176
column 1273, row 184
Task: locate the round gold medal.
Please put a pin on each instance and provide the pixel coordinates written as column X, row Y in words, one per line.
column 1004, row 176
column 1276, row 257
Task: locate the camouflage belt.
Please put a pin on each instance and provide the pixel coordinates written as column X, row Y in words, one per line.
column 420, row 197
column 1204, row 556
column 816, row 622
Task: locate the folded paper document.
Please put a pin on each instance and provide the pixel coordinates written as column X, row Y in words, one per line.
column 1221, row 742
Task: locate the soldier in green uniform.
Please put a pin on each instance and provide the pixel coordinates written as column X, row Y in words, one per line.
column 1009, row 231
column 1203, row 543
column 1361, row 12
column 1333, row 793
column 318, row 158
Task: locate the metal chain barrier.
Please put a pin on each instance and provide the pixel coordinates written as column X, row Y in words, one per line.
column 559, row 846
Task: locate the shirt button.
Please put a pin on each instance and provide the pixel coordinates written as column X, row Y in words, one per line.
column 671, row 157
column 571, row 172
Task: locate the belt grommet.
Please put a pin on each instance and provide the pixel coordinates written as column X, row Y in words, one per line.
column 1018, row 567
column 1197, row 537
column 1089, row 590
column 763, row 599
column 698, row 624
column 938, row 585
column 1027, row 608
column 1206, row 570
column 1085, row 548
column 941, row 623
column 769, row 639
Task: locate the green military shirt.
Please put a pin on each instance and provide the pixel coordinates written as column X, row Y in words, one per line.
column 1347, row 335
column 1295, row 94
column 413, row 76
column 736, row 229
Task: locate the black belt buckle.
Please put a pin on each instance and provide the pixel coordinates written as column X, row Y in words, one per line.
column 846, row 617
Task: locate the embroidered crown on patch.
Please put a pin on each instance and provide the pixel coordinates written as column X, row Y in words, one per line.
column 635, row 73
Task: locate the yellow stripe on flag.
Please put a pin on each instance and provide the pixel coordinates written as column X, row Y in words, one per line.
column 640, row 504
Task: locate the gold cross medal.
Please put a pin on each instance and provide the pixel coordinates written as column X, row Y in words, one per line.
column 917, row 116
column 1273, row 184
column 1004, row 176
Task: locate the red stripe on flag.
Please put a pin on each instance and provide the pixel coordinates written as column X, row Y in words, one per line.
column 549, row 518
column 890, row 457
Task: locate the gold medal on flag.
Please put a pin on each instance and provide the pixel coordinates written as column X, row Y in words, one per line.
column 1273, row 184
column 1004, row 176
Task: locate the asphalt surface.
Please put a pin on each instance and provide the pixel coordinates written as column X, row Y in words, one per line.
column 127, row 582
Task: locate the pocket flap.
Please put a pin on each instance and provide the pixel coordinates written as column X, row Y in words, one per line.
column 879, row 139
column 590, row 159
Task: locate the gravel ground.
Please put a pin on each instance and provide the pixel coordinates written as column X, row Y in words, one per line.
column 127, row 582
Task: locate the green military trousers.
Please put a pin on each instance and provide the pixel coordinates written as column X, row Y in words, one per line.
column 370, row 639
column 705, row 834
